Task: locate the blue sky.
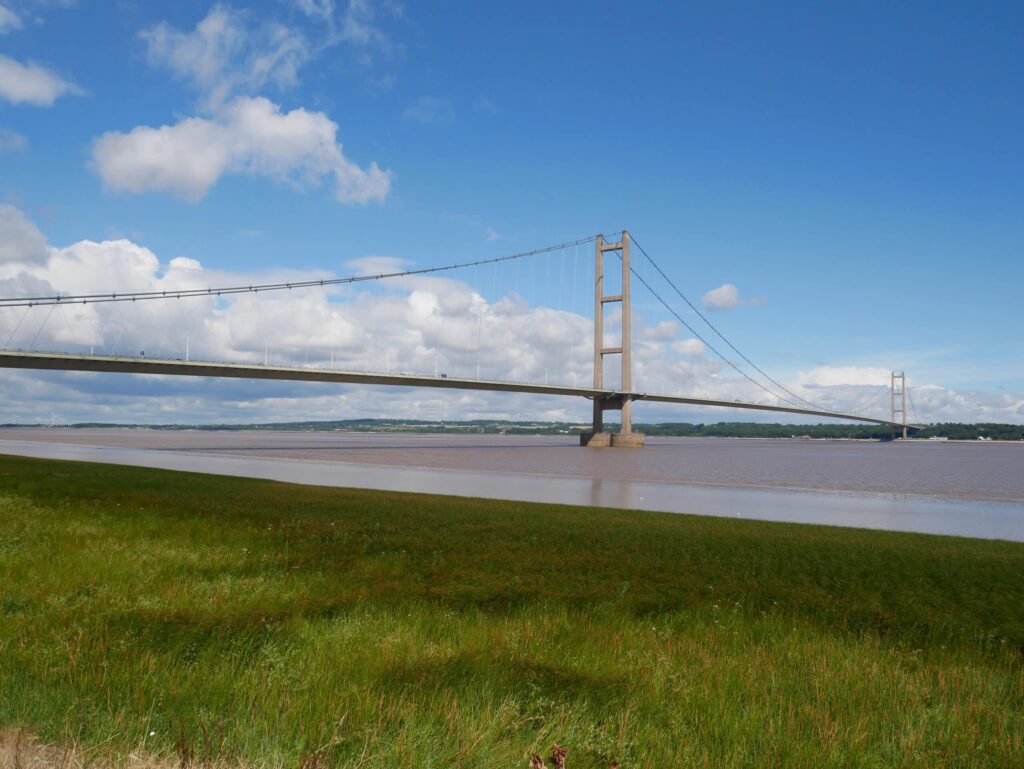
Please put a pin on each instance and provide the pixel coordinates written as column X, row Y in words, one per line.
column 856, row 169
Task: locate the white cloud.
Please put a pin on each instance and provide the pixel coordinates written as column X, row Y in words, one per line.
column 228, row 58
column 31, row 83
column 939, row 404
column 411, row 324
column 227, row 54
column 376, row 265
column 9, row 20
column 430, row 109
column 725, row 297
column 249, row 136
column 663, row 330
column 322, row 10
column 355, row 26
column 688, row 347
column 20, row 241
column 358, row 27
column 832, row 376
column 722, row 298
column 416, row 324
column 12, row 141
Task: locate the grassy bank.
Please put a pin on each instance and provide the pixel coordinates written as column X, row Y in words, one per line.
column 215, row 619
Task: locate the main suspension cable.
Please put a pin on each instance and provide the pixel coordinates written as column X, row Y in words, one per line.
column 873, row 403
column 712, row 347
column 910, row 397
column 135, row 296
column 722, row 336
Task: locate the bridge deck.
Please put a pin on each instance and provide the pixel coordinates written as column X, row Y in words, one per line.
column 169, row 367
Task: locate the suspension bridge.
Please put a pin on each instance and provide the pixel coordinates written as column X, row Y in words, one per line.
column 612, row 341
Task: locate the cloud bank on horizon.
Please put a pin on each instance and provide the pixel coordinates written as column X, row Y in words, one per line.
column 418, row 324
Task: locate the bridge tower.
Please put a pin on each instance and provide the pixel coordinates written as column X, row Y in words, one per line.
column 623, row 400
column 898, row 390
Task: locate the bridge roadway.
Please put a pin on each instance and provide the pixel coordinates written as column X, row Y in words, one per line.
column 177, row 367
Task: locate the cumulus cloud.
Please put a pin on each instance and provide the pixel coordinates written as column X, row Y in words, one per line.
column 31, row 84
column 227, row 53
column 409, row 324
column 416, row 324
column 722, row 298
column 251, row 135
column 688, row 347
column 725, row 297
column 831, row 376
column 12, row 141
column 228, row 58
column 665, row 329
column 941, row 404
column 20, row 241
column 9, row 20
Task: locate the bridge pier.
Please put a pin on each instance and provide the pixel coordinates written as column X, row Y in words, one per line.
column 612, row 440
column 598, row 437
column 594, row 440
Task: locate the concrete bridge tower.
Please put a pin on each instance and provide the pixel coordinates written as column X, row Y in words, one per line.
column 898, row 390
column 621, row 401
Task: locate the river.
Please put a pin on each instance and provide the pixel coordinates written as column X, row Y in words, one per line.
column 963, row 489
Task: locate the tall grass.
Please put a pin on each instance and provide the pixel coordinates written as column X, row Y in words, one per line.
column 203, row 619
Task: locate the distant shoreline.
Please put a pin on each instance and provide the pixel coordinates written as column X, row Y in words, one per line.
column 729, row 430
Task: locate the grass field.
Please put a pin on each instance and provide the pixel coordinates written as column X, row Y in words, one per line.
column 209, row 620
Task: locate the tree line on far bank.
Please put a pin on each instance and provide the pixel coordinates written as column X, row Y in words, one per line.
column 950, row 430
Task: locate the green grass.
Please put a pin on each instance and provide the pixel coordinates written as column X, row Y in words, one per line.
column 256, row 623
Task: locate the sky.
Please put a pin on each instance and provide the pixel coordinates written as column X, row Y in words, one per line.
column 838, row 187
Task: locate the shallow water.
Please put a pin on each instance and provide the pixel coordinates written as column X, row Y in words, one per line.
column 944, row 488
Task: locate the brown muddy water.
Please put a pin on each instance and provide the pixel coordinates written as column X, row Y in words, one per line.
column 963, row 489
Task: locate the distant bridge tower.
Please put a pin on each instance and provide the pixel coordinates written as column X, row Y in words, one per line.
column 899, row 400
column 622, row 400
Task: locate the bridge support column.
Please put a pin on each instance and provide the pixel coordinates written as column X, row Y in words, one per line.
column 622, row 401
column 898, row 390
